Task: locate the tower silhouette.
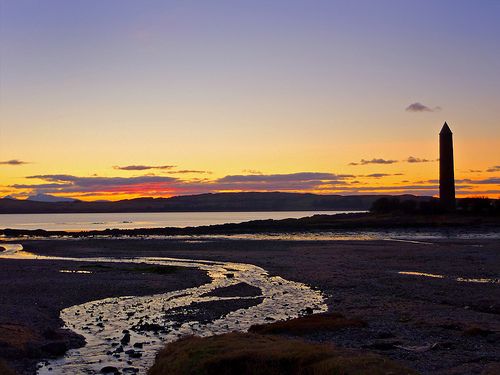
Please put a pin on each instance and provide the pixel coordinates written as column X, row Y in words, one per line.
column 446, row 169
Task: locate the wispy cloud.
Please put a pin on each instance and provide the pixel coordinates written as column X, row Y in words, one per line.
column 412, row 159
column 189, row 171
column 13, row 162
column 419, row 107
column 301, row 176
column 374, row 161
column 380, row 175
column 251, row 171
column 151, row 185
column 142, row 167
column 495, row 168
column 486, row 181
column 59, row 183
column 282, row 182
column 158, row 185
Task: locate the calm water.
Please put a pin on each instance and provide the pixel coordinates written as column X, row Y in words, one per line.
column 91, row 221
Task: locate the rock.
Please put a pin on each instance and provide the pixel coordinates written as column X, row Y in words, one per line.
column 109, row 370
column 56, row 349
column 125, row 339
column 133, row 354
column 130, row 370
column 148, row 327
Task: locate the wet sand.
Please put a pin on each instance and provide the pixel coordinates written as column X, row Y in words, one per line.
column 435, row 324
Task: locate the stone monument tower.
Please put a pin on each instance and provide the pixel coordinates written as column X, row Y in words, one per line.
column 446, row 169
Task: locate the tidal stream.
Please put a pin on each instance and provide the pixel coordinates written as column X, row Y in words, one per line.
column 126, row 332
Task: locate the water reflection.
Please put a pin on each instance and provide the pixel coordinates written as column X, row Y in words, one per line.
column 421, row 274
column 481, row 280
column 126, row 332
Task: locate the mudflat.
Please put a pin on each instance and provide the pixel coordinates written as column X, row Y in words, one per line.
column 433, row 306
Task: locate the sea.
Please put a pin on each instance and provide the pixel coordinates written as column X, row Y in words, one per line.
column 101, row 221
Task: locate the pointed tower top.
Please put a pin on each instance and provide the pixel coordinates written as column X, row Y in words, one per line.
column 445, row 129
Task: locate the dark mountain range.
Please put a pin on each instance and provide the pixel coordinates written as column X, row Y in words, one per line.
column 274, row 201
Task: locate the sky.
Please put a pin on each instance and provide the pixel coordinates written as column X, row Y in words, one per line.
column 122, row 98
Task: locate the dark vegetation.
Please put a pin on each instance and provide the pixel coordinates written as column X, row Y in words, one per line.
column 230, row 202
column 465, row 206
column 307, row 324
column 256, row 354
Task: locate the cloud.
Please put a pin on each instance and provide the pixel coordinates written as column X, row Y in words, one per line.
column 142, row 167
column 164, row 185
column 13, row 162
column 412, row 159
column 380, row 175
column 487, row 181
column 58, row 183
column 495, row 168
column 187, row 171
column 252, row 171
column 374, row 161
column 291, row 177
column 467, row 181
column 151, row 185
column 283, row 182
column 419, row 107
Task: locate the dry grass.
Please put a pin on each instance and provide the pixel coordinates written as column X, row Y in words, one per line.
column 309, row 324
column 16, row 336
column 253, row 354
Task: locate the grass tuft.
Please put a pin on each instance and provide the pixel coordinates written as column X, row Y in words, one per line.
column 309, row 324
column 253, row 354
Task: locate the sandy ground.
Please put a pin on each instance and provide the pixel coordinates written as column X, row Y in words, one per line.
column 436, row 325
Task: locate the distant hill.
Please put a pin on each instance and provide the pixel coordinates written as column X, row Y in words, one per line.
column 274, row 201
column 49, row 198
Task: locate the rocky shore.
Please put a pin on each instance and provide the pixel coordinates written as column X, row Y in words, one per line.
column 317, row 223
column 432, row 306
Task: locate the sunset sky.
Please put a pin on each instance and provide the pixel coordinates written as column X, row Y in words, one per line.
column 123, row 98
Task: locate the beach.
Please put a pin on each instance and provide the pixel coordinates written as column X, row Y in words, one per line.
column 431, row 305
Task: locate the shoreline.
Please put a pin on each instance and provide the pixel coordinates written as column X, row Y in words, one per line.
column 315, row 223
column 360, row 279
